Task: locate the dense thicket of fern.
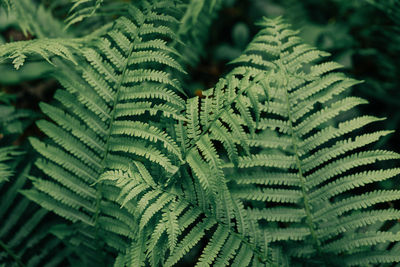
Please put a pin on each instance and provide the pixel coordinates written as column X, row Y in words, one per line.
column 263, row 169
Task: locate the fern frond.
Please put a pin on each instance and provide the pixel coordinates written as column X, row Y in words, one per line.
column 78, row 13
column 224, row 115
column 6, row 154
column 176, row 224
column 312, row 162
column 26, row 237
column 34, row 19
column 63, row 46
column 106, row 118
column 46, row 48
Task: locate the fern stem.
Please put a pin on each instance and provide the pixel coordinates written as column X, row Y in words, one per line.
column 110, row 127
column 304, row 191
column 306, row 203
column 12, row 254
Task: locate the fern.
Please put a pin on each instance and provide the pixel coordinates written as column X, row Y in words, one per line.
column 307, row 186
column 51, row 40
column 26, row 233
column 261, row 170
column 25, row 236
column 314, row 161
column 82, row 13
column 34, row 19
column 6, row 153
column 105, row 118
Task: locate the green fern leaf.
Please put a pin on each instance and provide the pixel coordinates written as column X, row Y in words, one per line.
column 310, row 158
column 96, row 129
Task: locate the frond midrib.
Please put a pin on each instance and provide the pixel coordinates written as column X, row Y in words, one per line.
column 305, row 197
column 304, row 191
column 109, row 133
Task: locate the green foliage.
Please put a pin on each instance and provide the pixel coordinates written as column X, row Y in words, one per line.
column 13, row 121
column 392, row 7
column 52, row 39
column 194, row 25
column 269, row 167
column 364, row 37
column 46, row 48
column 79, row 13
column 102, row 121
column 33, row 19
column 26, row 234
column 6, row 153
column 326, row 174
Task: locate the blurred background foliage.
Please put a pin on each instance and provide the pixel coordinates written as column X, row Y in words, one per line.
column 362, row 35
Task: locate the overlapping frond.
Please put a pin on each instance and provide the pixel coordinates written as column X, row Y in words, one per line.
column 223, row 117
column 227, row 116
column 222, row 127
column 174, row 223
column 111, row 112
